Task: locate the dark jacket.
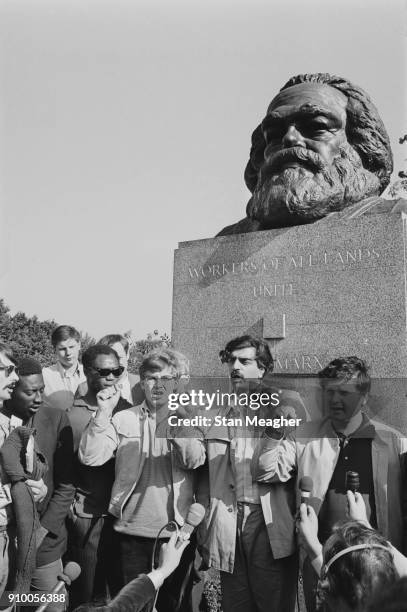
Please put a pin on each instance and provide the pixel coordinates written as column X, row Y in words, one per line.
column 54, row 440
column 93, row 484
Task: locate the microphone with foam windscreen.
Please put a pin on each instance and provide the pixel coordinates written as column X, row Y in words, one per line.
column 352, row 482
column 194, row 517
column 71, row 573
column 305, row 486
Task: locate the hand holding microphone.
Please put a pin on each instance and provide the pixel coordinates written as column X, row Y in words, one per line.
column 307, row 529
column 170, row 555
column 305, row 486
column 71, row 573
column 194, row 517
column 352, row 481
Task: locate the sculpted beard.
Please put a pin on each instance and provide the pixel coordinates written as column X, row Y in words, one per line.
column 312, row 190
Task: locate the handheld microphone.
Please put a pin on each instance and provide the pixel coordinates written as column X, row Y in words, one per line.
column 71, row 573
column 352, row 482
column 305, row 485
column 194, row 517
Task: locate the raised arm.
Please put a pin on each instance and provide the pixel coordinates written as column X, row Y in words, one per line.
column 100, row 439
column 274, row 459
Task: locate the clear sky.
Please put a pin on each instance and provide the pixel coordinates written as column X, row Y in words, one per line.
column 125, row 127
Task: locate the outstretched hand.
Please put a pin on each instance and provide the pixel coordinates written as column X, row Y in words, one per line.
column 170, row 556
column 356, row 507
column 307, row 529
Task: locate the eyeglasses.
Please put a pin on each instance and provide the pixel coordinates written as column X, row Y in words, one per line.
column 163, row 379
column 8, row 369
column 105, row 372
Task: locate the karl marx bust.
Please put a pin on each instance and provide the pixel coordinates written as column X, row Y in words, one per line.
column 321, row 149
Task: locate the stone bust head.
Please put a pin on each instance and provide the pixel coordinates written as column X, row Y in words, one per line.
column 321, row 148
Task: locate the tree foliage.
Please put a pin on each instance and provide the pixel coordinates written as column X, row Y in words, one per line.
column 30, row 337
column 140, row 348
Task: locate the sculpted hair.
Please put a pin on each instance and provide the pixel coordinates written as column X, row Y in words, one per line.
column 160, row 358
column 111, row 339
column 89, row 356
column 64, row 332
column 364, row 129
column 346, row 368
column 263, row 355
column 359, row 575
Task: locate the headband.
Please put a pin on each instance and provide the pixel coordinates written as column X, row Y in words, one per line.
column 345, row 551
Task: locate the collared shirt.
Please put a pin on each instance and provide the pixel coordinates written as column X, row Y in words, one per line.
column 61, row 384
column 355, row 455
column 244, row 444
column 125, row 391
column 313, row 449
column 154, row 488
column 93, row 484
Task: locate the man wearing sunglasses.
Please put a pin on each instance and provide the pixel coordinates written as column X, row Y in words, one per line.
column 90, row 528
column 154, row 482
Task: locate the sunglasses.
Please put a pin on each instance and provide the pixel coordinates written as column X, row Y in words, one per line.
column 105, row 372
column 8, row 369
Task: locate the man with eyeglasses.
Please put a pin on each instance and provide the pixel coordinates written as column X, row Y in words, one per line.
column 154, row 481
column 90, row 528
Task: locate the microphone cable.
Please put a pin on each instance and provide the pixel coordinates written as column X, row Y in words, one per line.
column 174, row 524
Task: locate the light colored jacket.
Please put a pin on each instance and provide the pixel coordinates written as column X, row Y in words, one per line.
column 217, row 491
column 125, row 435
column 313, row 450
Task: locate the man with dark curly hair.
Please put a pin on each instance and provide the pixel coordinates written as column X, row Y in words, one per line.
column 248, row 529
column 322, row 148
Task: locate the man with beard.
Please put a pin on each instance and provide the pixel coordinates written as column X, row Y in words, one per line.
column 321, row 149
column 248, row 529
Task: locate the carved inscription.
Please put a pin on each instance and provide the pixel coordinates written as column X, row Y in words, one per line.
column 273, row 290
column 340, row 258
column 298, row 363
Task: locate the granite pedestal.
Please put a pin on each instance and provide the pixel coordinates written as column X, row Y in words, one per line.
column 315, row 292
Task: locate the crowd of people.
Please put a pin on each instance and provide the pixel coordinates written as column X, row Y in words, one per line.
column 94, row 472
